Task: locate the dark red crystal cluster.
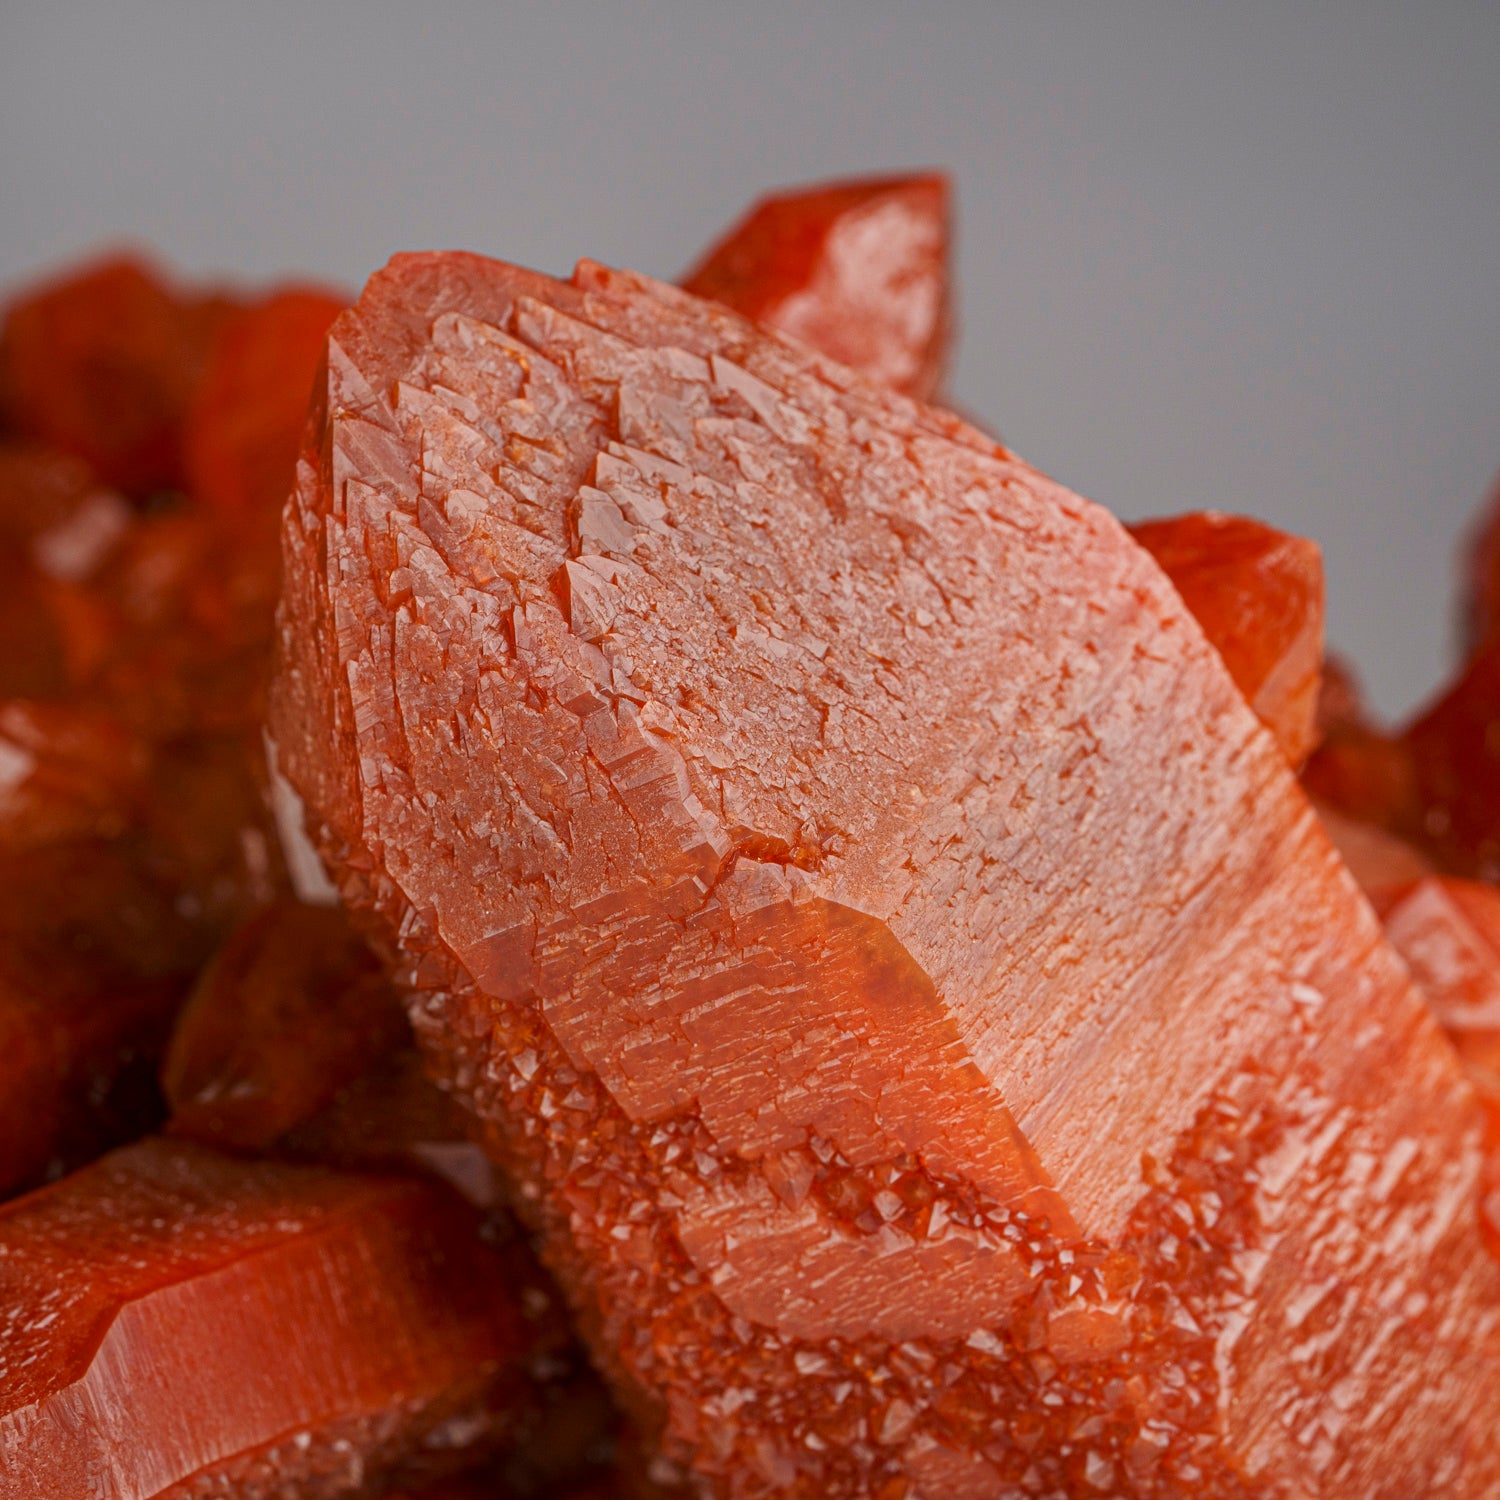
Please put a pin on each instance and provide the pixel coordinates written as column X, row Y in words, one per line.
column 602, row 898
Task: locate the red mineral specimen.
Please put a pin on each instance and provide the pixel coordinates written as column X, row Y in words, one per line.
column 1359, row 769
column 103, row 363
column 177, row 1323
column 1455, row 755
column 929, row 1031
column 1448, row 931
column 859, row 270
column 92, row 964
column 1258, row 594
column 246, row 421
column 292, row 1009
column 1376, row 858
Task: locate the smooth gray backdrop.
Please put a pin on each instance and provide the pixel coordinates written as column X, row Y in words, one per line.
column 1234, row 255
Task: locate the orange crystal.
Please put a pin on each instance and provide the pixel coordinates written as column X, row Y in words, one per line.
column 245, row 423
column 924, row 1020
column 1258, row 594
column 858, row 270
column 177, row 1323
column 1455, row 754
column 103, row 363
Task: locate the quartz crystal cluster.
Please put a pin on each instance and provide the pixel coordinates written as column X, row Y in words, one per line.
column 605, row 899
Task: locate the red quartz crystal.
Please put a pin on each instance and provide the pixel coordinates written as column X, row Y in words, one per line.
column 246, row 420
column 393, row 1118
column 1359, row 769
column 94, row 957
column 292, row 1008
column 1258, row 594
column 1448, row 931
column 1455, row 754
column 932, row 1037
column 178, row 1323
column 859, row 270
column 103, row 363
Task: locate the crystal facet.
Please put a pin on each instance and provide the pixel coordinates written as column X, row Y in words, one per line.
column 178, row 1323
column 859, row 270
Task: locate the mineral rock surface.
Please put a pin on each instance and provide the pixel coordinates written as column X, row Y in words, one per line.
column 175, row 1323
column 1258, row 594
column 928, row 1028
column 859, row 270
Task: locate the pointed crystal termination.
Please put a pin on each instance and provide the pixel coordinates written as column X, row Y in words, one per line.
column 179, row 1323
column 1258, row 594
column 930, row 1034
column 859, row 270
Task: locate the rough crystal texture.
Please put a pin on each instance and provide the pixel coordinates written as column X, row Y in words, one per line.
column 1258, row 594
column 175, row 1323
column 927, row 1026
column 293, row 1008
column 858, row 270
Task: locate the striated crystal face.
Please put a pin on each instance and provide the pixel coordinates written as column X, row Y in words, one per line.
column 925, row 1022
column 177, row 1323
column 858, row 270
column 1258, row 594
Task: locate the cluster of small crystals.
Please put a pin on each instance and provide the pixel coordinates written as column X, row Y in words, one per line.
column 1102, row 1381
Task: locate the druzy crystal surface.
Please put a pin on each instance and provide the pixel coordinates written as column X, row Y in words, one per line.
column 925, row 1022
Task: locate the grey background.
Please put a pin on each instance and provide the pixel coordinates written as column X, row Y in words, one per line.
column 1234, row 255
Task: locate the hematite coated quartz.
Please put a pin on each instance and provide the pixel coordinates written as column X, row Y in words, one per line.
column 924, row 1020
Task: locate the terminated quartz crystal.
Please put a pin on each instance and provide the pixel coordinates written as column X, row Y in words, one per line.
column 1258, row 594
column 858, row 270
column 176, row 1323
column 927, row 1027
